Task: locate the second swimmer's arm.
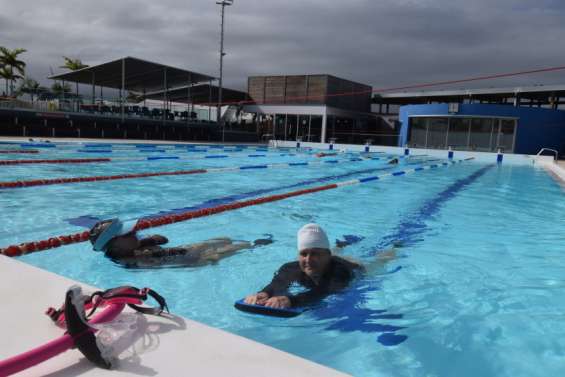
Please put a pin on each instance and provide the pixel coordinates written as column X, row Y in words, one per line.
column 153, row 240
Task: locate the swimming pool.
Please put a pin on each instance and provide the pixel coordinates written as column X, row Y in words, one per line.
column 476, row 288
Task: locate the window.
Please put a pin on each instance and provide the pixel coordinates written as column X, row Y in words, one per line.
column 437, row 133
column 462, row 133
column 506, row 135
column 458, row 137
column 481, row 134
column 418, row 131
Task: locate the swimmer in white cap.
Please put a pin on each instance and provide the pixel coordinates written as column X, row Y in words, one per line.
column 316, row 270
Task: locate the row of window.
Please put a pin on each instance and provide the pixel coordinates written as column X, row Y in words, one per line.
column 477, row 134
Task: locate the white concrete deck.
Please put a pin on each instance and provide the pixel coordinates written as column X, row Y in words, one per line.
column 165, row 348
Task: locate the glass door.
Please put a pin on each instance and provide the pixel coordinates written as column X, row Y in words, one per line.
column 437, row 133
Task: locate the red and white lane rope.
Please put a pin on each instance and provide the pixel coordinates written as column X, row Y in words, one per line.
column 53, row 242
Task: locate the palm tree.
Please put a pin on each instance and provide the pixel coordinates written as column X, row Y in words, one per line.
column 9, row 60
column 73, row 65
column 133, row 97
column 29, row 86
column 59, row 89
column 8, row 75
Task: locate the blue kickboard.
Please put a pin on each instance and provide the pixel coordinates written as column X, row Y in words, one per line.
column 264, row 310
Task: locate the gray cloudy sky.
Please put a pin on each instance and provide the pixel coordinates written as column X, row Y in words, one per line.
column 383, row 43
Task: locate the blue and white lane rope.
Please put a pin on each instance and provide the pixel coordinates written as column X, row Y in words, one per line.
column 234, row 200
column 217, row 156
column 397, row 173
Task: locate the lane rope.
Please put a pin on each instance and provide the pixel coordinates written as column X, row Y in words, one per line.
column 55, row 181
column 54, row 242
column 131, row 159
column 28, row 151
column 59, row 161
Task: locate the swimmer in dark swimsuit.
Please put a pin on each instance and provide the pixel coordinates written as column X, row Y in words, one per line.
column 120, row 243
column 317, row 271
column 325, row 154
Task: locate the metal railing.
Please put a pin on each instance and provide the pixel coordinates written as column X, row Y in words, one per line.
column 107, row 108
column 556, row 153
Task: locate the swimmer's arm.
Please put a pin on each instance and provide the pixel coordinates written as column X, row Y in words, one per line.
column 381, row 259
column 153, row 240
column 280, row 283
column 305, row 298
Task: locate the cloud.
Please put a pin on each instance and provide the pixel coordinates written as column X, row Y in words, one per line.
column 381, row 43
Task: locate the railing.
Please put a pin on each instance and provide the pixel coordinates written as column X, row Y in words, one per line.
column 107, row 109
column 550, row 150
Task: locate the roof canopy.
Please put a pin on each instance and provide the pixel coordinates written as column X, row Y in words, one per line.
column 544, row 94
column 134, row 74
column 203, row 94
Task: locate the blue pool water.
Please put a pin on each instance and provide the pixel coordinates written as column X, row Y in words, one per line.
column 476, row 288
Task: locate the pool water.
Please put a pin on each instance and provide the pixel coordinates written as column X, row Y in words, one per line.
column 476, row 287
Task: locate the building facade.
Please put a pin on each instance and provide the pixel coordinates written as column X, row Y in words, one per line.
column 482, row 127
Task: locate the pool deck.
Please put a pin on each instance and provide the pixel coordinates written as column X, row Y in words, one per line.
column 555, row 168
column 165, row 347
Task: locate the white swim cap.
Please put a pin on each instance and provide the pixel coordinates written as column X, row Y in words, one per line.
column 312, row 236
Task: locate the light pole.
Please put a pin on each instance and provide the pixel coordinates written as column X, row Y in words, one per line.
column 223, row 3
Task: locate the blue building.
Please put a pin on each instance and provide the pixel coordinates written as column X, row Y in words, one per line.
column 521, row 120
column 482, row 127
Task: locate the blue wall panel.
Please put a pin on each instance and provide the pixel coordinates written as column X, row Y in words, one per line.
column 536, row 127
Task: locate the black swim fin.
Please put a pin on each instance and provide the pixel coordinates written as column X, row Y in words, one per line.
column 79, row 329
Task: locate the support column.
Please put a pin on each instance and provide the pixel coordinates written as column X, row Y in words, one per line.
column 324, row 126
column 516, row 100
column 93, row 88
column 122, row 90
column 164, row 92
column 76, row 98
column 309, row 126
column 189, row 101
column 210, row 101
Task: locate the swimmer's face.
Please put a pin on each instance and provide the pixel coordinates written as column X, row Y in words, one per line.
column 124, row 242
column 314, row 262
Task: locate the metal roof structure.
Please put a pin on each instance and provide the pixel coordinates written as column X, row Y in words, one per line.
column 553, row 95
column 134, row 74
column 203, row 94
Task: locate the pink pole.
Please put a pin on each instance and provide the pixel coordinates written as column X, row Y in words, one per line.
column 55, row 347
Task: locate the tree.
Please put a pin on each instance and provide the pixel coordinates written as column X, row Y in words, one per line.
column 8, row 74
column 133, row 97
column 59, row 89
column 29, row 86
column 9, row 60
column 73, row 65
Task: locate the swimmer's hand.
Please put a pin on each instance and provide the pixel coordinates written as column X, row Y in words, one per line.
column 159, row 239
column 257, row 299
column 278, row 302
column 155, row 239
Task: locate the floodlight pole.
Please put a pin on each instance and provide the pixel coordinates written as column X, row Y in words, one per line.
column 219, row 120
